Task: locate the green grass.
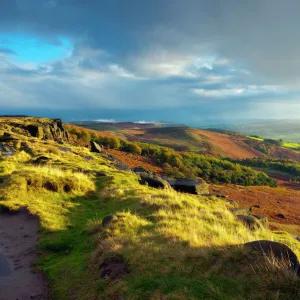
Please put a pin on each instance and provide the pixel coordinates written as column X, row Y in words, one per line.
column 176, row 246
column 255, row 138
column 295, row 146
column 289, row 145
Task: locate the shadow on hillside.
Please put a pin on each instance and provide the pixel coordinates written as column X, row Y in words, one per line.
column 155, row 261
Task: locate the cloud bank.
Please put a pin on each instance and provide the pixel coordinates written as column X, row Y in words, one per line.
column 192, row 60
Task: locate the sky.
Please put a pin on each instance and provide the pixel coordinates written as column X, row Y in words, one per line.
column 194, row 62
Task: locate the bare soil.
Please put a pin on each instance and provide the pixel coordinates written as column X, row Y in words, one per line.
column 18, row 246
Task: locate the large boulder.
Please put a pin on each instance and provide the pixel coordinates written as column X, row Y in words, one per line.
column 153, row 181
column 278, row 250
column 95, row 147
column 188, row 185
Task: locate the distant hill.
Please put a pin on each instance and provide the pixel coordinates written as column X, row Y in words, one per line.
column 220, row 143
column 288, row 130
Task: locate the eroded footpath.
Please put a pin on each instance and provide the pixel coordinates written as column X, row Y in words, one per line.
column 18, row 249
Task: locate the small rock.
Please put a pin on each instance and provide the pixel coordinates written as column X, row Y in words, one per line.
column 95, row 147
column 281, row 216
column 88, row 157
column 107, row 220
column 140, row 169
column 256, row 206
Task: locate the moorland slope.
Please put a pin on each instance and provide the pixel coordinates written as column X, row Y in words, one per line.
column 107, row 235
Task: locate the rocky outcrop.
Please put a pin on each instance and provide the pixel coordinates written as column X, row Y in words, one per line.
column 153, row 181
column 278, row 250
column 7, row 137
column 50, row 130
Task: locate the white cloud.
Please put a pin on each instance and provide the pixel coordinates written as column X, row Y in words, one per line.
column 219, row 92
column 105, row 120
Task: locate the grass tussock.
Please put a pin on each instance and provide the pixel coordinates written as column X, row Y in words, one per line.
column 47, row 178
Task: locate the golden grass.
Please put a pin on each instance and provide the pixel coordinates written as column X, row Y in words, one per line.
column 186, row 240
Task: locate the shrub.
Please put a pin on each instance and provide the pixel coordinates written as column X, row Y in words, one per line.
column 132, row 148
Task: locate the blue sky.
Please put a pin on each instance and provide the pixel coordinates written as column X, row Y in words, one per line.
column 194, row 62
column 31, row 49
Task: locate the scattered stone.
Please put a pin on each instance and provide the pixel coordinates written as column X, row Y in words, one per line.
column 107, row 220
column 220, row 196
column 278, row 250
column 95, row 147
column 114, row 267
column 281, row 216
column 140, row 169
column 89, row 157
column 7, row 150
column 100, row 173
column 241, row 211
column 65, row 149
column 233, row 203
column 41, row 160
column 121, row 167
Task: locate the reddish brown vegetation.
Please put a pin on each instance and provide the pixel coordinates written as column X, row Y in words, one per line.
column 271, row 201
column 229, row 145
column 132, row 160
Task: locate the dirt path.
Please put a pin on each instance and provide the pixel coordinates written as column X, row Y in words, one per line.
column 18, row 240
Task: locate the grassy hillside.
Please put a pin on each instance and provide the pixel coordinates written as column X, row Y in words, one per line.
column 160, row 244
column 220, row 143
